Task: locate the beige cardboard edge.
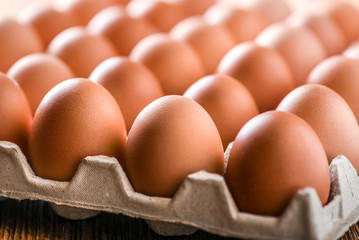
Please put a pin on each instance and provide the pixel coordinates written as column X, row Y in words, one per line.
column 203, row 201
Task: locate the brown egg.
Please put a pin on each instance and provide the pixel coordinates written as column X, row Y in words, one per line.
column 16, row 41
column 300, row 48
column 352, row 51
column 16, row 118
column 270, row 11
column 227, row 101
column 77, row 118
column 163, row 15
column 330, row 117
column 122, row 30
column 347, row 17
column 81, row 50
column 243, row 24
column 197, row 7
column 273, row 156
column 121, row 2
column 47, row 21
column 340, row 74
column 324, row 28
column 175, row 64
column 170, row 139
column 132, row 85
column 37, row 73
column 210, row 42
column 262, row 70
column 84, row 10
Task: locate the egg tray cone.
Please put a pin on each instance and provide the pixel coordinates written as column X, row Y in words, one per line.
column 202, row 202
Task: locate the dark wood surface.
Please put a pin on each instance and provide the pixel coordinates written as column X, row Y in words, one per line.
column 36, row 220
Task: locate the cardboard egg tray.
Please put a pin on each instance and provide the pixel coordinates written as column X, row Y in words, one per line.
column 202, row 202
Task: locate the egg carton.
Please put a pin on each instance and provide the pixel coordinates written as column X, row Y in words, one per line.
column 202, row 202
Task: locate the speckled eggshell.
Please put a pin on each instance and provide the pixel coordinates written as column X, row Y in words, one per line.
column 330, row 117
column 37, row 73
column 300, row 48
column 16, row 118
column 273, row 156
column 16, row 40
column 262, row 70
column 170, row 139
column 210, row 42
column 76, row 119
column 340, row 74
column 132, row 85
column 175, row 64
column 227, row 101
column 81, row 50
column 122, row 30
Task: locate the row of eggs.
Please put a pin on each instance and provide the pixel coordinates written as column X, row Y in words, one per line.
column 159, row 139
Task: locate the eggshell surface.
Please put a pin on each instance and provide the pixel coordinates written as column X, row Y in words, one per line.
column 324, row 28
column 262, row 70
column 77, row 118
column 273, row 156
column 81, row 50
column 171, row 138
column 175, row 64
column 131, row 84
column 37, row 73
column 346, row 16
column 244, row 25
column 340, row 74
column 220, row 95
column 210, row 42
column 47, row 21
column 300, row 48
column 330, row 117
column 16, row 40
column 163, row 15
column 16, row 118
column 122, row 30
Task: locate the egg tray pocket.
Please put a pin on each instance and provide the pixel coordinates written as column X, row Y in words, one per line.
column 202, row 202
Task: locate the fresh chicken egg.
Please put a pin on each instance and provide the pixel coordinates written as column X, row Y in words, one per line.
column 47, row 21
column 299, row 46
column 274, row 156
column 122, row 30
column 170, row 139
column 219, row 95
column 77, row 118
column 329, row 116
column 132, row 85
column 210, row 42
column 80, row 50
column 16, row 41
column 262, row 70
column 327, row 31
column 37, row 73
column 16, row 118
column 244, row 25
column 341, row 74
column 175, row 64
column 163, row 15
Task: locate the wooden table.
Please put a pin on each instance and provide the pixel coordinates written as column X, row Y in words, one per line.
column 36, row 220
